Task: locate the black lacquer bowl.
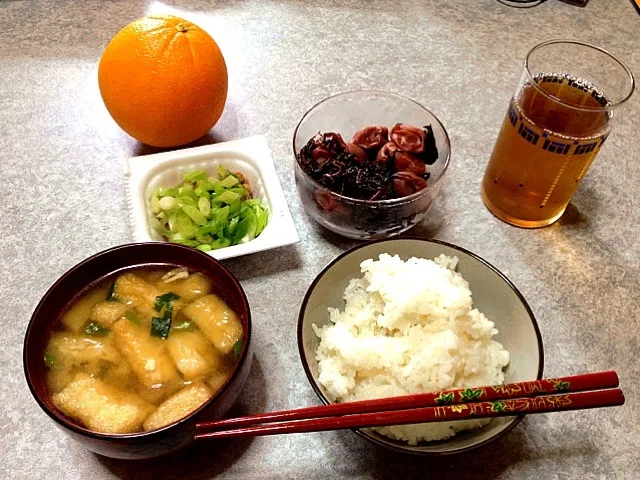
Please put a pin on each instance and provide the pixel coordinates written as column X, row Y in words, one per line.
column 174, row 436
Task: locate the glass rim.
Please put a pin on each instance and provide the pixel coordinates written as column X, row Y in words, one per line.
column 359, row 201
column 606, row 108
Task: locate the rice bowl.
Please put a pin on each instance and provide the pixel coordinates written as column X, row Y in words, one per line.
column 493, row 295
column 408, row 327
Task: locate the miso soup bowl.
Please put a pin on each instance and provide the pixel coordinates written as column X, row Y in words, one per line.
column 493, row 294
column 178, row 434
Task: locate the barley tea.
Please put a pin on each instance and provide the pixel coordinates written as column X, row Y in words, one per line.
column 547, row 143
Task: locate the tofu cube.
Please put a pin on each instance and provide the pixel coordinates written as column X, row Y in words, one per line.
column 147, row 355
column 178, row 406
column 192, row 354
column 100, row 407
column 216, row 320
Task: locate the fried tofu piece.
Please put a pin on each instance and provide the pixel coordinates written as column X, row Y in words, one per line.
column 71, row 353
column 152, row 276
column 59, row 378
column 179, row 405
column 134, row 292
column 159, row 394
column 119, row 376
column 107, row 313
column 192, row 354
column 75, row 318
column 216, row 320
column 218, row 378
column 189, row 289
column 101, row 407
column 76, row 350
column 147, row 355
column 130, row 285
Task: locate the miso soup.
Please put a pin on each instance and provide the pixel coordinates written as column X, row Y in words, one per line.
column 141, row 350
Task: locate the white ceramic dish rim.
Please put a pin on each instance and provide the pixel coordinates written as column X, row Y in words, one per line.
column 139, row 171
column 369, row 437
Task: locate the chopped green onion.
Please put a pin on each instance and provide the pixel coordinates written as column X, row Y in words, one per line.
column 204, row 205
column 218, row 189
column 184, row 201
column 48, row 359
column 207, row 212
column 241, row 230
column 205, row 185
column 195, row 176
column 188, row 243
column 132, row 316
column 235, row 208
column 228, row 197
column 241, row 191
column 220, row 243
column 162, row 301
column 186, row 227
column 185, row 190
column 202, row 193
column 231, row 227
column 168, row 297
column 204, row 238
column 261, row 218
column 167, row 203
column 195, row 214
column 96, row 330
column 230, row 181
column 111, row 293
column 167, row 192
column 221, row 215
column 222, row 172
column 237, row 349
column 160, row 326
column 155, row 204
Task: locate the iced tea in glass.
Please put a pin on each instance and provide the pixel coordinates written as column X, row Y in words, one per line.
column 557, row 121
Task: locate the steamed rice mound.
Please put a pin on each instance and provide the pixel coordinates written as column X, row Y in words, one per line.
column 408, row 327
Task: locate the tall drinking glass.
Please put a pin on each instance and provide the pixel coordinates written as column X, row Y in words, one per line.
column 561, row 114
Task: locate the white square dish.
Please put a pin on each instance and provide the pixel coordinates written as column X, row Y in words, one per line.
column 249, row 156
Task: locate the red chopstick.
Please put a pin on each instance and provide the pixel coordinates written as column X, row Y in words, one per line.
column 496, row 408
column 575, row 383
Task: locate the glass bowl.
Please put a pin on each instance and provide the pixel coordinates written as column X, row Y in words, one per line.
column 346, row 113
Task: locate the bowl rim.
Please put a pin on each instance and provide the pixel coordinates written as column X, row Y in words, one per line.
column 60, row 418
column 393, row 201
column 360, row 432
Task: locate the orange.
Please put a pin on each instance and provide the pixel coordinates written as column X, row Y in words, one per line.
column 163, row 80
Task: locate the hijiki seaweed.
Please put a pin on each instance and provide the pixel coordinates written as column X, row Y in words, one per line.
column 363, row 169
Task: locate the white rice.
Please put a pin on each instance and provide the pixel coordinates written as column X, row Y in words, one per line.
column 408, row 327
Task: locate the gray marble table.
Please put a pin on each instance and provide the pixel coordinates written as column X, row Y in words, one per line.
column 63, row 199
